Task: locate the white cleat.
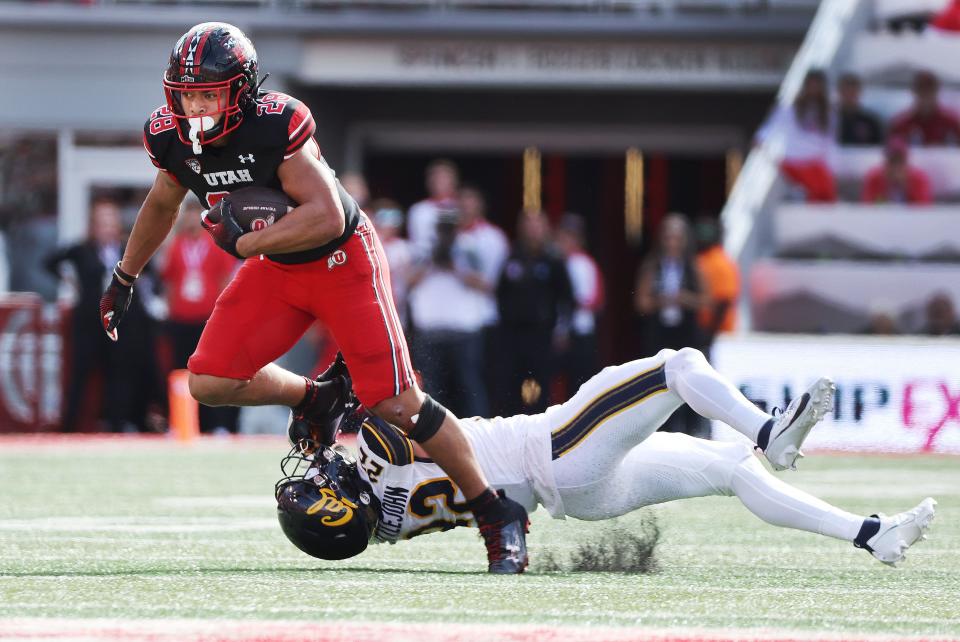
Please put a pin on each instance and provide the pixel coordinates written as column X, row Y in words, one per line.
column 793, row 426
column 901, row 531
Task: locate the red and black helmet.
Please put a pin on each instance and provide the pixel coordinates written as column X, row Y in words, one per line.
column 211, row 56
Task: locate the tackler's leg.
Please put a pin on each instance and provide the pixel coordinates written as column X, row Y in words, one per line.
column 611, row 413
column 709, row 394
column 671, row 466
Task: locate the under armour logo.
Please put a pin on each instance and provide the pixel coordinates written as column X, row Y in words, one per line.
column 246, row 157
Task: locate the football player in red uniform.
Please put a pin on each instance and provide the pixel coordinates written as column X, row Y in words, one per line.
column 219, row 132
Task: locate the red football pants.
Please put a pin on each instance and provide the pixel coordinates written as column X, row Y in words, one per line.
column 268, row 306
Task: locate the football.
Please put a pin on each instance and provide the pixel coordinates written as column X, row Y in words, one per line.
column 258, row 207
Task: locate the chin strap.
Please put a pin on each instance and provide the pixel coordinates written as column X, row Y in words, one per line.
column 263, row 79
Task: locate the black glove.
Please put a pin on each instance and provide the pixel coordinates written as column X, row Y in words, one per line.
column 222, row 226
column 115, row 301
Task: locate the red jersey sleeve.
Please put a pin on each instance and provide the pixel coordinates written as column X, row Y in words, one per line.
column 300, row 128
column 157, row 133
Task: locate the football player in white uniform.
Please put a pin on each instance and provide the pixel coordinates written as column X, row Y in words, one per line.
column 595, row 457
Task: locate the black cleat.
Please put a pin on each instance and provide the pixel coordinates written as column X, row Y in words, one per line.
column 320, row 420
column 506, row 539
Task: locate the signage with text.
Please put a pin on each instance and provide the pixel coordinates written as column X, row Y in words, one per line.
column 544, row 63
column 893, row 395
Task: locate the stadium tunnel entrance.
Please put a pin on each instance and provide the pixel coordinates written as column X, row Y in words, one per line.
column 591, row 184
column 689, row 140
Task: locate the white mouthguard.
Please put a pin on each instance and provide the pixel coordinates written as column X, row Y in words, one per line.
column 199, row 124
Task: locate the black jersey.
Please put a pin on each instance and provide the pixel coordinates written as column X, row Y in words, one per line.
column 273, row 128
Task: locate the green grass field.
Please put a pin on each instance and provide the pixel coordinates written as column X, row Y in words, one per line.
column 153, row 530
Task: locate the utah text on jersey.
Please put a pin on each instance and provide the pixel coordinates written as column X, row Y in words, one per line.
column 274, row 128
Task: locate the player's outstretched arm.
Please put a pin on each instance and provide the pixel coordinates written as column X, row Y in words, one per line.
column 319, row 218
column 154, row 222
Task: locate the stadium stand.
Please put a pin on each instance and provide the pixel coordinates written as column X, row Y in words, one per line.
column 816, row 268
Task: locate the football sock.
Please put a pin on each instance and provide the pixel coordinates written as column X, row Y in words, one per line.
column 780, row 504
column 711, row 396
column 487, row 507
column 870, row 527
column 318, row 395
column 763, row 437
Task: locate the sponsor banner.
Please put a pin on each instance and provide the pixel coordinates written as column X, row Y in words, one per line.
column 893, row 395
column 544, row 63
column 30, row 363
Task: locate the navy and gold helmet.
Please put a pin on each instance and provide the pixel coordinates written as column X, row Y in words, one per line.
column 324, row 507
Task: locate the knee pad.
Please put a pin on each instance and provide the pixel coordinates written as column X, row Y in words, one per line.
column 428, row 421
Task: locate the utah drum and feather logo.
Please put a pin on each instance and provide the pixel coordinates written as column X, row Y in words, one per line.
column 337, row 258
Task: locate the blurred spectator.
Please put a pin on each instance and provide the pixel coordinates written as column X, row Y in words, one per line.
column 808, row 139
column 535, row 298
column 442, row 182
column 895, row 181
column 488, row 244
column 483, row 240
column 856, row 125
column 448, row 326
column 883, row 319
column 669, row 295
column 356, row 186
column 579, row 357
column 927, row 122
column 388, row 221
column 128, row 367
column 669, row 290
column 941, row 316
column 194, row 273
column 947, row 21
column 721, row 281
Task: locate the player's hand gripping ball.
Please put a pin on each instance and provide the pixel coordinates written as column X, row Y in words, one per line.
column 246, row 210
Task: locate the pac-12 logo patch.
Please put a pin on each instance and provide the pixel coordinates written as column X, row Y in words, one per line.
column 193, row 164
column 337, row 258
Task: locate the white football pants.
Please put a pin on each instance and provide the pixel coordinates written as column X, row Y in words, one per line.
column 609, row 461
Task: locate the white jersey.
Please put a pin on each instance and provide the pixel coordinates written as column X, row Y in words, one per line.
column 599, row 454
column 417, row 497
column 525, row 455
